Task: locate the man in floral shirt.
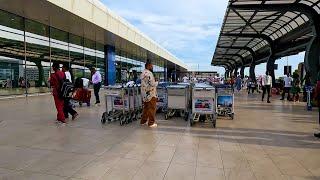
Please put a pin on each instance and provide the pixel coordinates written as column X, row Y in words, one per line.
column 149, row 96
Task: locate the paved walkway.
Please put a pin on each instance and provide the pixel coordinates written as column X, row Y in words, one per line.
column 265, row 141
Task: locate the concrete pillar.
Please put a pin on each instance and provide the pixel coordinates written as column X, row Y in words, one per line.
column 242, row 72
column 110, row 70
column 312, row 58
column 270, row 68
column 252, row 71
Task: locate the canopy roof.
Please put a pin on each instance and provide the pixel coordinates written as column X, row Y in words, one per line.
column 254, row 31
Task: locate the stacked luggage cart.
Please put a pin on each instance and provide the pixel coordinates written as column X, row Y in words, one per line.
column 162, row 102
column 126, row 104
column 178, row 96
column 203, row 104
column 198, row 102
column 225, row 101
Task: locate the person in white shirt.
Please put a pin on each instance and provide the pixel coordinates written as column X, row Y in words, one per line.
column 85, row 83
column 149, row 96
column 266, row 83
column 185, row 79
column 287, row 87
column 67, row 108
column 65, row 69
column 96, row 81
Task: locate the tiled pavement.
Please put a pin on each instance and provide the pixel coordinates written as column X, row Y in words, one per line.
column 265, row 141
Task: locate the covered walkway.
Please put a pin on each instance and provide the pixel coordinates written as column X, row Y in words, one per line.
column 265, row 141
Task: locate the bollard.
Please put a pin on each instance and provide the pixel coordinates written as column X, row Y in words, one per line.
column 309, row 91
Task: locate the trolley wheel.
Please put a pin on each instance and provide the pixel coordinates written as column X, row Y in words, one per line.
column 214, row 124
column 103, row 119
column 121, row 122
column 127, row 119
column 182, row 113
column 191, row 120
column 232, row 116
column 186, row 116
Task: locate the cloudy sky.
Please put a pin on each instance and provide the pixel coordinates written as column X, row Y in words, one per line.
column 188, row 29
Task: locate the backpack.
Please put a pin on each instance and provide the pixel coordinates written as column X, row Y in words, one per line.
column 66, row 88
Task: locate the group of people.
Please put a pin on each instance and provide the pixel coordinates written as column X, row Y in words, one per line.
column 62, row 103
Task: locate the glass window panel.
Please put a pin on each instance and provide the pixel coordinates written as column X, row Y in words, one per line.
column 11, row 20
column 57, row 34
column 37, row 28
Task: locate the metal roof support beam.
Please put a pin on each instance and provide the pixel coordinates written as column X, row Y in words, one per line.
column 226, row 74
column 228, row 64
column 237, row 55
column 235, row 73
column 303, row 8
column 253, row 54
column 233, row 65
column 260, row 36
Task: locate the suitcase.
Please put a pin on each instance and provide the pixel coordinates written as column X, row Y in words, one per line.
column 82, row 96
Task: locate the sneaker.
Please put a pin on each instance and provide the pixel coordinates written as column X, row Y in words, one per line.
column 61, row 123
column 317, row 135
column 74, row 117
column 269, row 102
column 154, row 125
column 144, row 124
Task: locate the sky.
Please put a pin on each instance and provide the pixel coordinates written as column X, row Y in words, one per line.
column 188, row 29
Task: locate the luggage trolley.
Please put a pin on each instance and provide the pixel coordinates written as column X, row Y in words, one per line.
column 162, row 101
column 203, row 103
column 122, row 105
column 178, row 100
column 137, row 102
column 225, row 101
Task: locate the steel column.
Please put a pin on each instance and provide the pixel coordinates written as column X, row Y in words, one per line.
column 252, row 71
column 242, row 72
column 312, row 58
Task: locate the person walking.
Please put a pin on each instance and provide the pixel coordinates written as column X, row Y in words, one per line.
column 266, row 83
column 56, row 80
column 238, row 83
column 67, row 108
column 96, row 81
column 149, row 96
column 287, row 87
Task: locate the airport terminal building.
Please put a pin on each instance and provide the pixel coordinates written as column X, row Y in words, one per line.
column 81, row 33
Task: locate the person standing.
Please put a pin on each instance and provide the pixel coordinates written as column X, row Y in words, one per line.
column 67, row 108
column 287, row 87
column 56, row 80
column 266, row 83
column 96, row 81
column 185, row 79
column 149, row 96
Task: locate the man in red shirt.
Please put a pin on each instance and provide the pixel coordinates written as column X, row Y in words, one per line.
column 56, row 82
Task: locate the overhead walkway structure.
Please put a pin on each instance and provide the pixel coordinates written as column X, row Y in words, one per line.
column 80, row 32
column 255, row 32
